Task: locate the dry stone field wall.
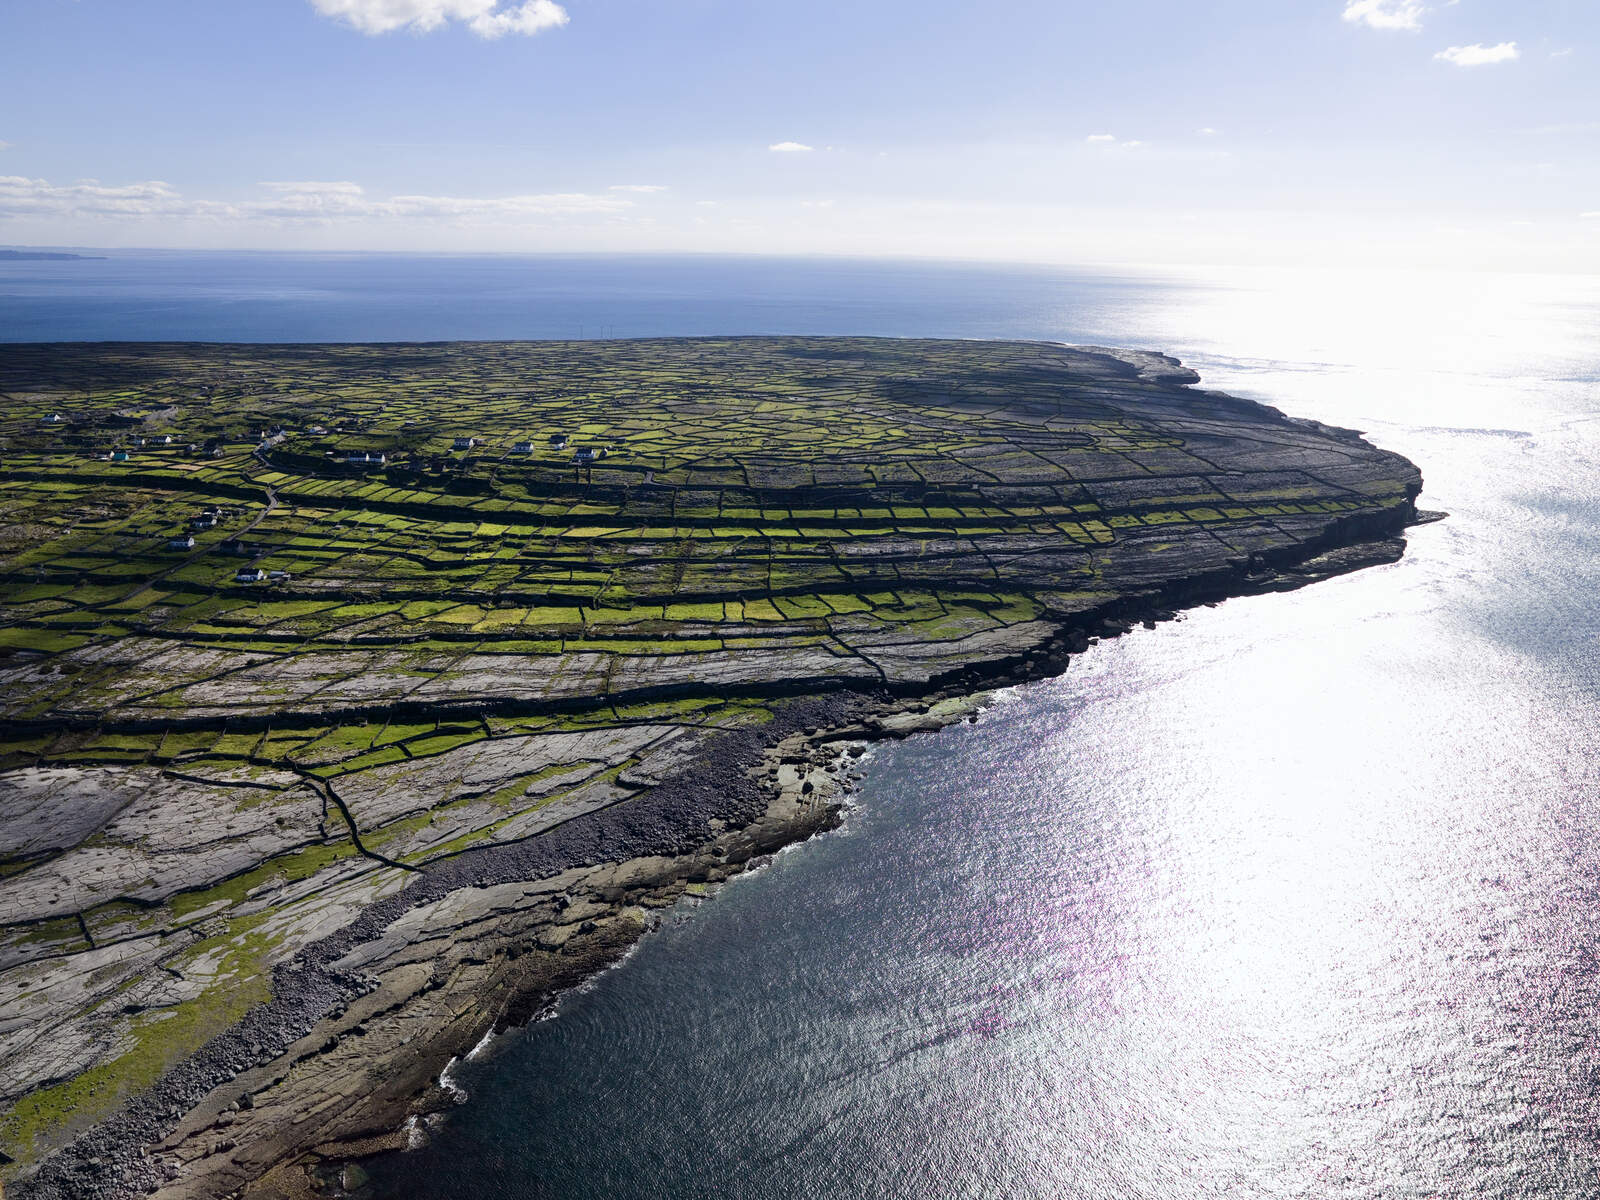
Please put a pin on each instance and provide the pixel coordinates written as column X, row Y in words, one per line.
column 507, row 585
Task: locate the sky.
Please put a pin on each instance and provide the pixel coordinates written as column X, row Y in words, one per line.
column 1459, row 133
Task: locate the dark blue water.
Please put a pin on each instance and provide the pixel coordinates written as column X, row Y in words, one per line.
column 1297, row 897
column 156, row 296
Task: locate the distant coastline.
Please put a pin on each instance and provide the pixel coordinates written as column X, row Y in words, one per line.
column 46, row 256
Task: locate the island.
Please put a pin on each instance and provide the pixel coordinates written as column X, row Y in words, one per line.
column 47, row 256
column 356, row 700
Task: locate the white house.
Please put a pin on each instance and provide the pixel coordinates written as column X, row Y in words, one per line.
column 249, row 575
column 464, row 443
column 185, row 542
column 522, row 448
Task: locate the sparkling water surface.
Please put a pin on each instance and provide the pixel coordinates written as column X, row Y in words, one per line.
column 1298, row 896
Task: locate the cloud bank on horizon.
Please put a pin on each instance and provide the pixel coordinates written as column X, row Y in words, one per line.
column 486, row 18
column 289, row 201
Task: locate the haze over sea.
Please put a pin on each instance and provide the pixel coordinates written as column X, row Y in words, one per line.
column 1298, row 896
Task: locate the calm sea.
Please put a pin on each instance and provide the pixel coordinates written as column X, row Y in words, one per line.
column 1296, row 897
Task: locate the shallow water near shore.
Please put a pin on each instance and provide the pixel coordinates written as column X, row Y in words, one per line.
column 1298, row 896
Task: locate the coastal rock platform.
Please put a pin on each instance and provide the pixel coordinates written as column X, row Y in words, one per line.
column 546, row 637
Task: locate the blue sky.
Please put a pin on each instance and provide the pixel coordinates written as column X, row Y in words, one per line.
column 1157, row 131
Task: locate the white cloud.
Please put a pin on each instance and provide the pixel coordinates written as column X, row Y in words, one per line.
column 342, row 187
column 1590, row 216
column 533, row 17
column 486, row 18
column 457, row 208
column 1101, row 137
column 790, row 148
column 290, row 202
column 1479, row 55
column 1386, row 14
column 6, row 145
column 1563, row 127
column 1207, row 132
column 20, row 196
column 307, row 200
column 641, row 188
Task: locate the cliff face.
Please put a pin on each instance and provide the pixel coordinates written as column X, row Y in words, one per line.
column 271, row 852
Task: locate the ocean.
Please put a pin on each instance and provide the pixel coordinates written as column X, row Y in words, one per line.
column 239, row 297
column 1297, row 896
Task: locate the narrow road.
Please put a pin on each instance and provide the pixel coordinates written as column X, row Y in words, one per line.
column 272, row 503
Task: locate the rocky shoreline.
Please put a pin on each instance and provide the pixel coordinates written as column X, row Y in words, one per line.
column 417, row 719
column 346, row 1056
